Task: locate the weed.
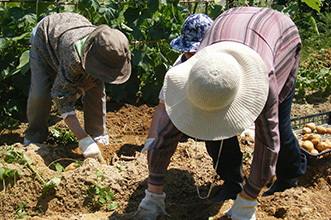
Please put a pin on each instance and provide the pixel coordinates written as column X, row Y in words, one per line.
column 101, row 196
column 16, row 155
column 8, row 173
column 21, row 213
column 63, row 136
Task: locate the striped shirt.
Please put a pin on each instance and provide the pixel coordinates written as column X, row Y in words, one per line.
column 276, row 39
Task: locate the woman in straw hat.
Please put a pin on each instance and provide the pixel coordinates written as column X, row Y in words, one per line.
column 194, row 27
column 69, row 58
column 243, row 73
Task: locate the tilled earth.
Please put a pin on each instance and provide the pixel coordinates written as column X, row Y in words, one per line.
column 126, row 173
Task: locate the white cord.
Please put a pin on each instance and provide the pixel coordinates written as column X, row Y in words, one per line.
column 216, row 165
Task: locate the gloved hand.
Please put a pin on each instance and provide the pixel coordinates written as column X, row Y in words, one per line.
column 150, row 207
column 90, row 149
column 242, row 209
column 147, row 143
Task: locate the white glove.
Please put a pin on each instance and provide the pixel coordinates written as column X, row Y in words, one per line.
column 242, row 209
column 90, row 149
column 102, row 139
column 151, row 207
column 147, row 143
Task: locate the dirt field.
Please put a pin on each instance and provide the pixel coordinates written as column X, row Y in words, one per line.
column 126, row 172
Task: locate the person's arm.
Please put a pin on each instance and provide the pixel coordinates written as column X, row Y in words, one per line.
column 267, row 144
column 159, row 154
column 155, row 120
column 75, row 127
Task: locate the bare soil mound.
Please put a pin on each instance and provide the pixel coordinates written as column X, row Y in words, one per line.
column 79, row 190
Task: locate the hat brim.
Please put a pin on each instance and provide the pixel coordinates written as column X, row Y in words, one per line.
column 99, row 68
column 189, row 46
column 232, row 119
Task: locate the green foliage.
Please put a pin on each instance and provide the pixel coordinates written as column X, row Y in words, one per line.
column 20, row 212
column 51, row 184
column 59, row 168
column 8, row 174
column 13, row 155
column 314, row 74
column 101, row 196
column 63, row 136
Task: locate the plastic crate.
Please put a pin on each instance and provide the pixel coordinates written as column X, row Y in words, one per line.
column 320, row 119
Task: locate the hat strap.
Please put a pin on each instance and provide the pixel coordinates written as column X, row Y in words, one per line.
column 216, row 165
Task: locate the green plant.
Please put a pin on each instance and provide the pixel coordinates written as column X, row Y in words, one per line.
column 101, row 196
column 20, row 212
column 6, row 173
column 63, row 136
column 16, row 155
column 51, row 184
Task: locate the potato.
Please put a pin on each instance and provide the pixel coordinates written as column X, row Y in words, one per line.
column 300, row 143
column 328, row 142
column 308, row 145
column 314, row 151
column 328, row 130
column 306, row 137
column 306, row 130
column 315, row 141
column 315, row 136
column 321, row 146
column 320, row 129
column 311, row 125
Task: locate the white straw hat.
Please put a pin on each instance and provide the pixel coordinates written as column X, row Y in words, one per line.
column 217, row 93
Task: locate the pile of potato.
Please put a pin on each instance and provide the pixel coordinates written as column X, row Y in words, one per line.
column 312, row 138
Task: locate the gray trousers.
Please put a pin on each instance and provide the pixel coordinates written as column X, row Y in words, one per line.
column 40, row 102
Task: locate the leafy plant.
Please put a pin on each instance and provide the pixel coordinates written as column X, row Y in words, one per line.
column 16, row 155
column 6, row 173
column 101, row 196
column 63, row 136
column 21, row 213
column 51, row 184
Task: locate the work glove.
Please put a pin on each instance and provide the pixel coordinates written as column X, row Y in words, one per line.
column 151, row 207
column 90, row 149
column 102, row 139
column 242, row 209
column 147, row 143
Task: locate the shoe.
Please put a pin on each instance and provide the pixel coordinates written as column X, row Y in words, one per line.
column 230, row 191
column 26, row 142
column 281, row 186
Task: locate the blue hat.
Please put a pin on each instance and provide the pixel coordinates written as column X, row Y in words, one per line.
column 193, row 30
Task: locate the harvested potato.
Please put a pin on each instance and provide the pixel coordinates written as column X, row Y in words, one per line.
column 315, row 141
column 71, row 166
column 328, row 130
column 300, row 143
column 306, row 130
column 306, row 137
column 311, row 125
column 308, row 145
column 328, row 141
column 315, row 136
column 320, row 129
column 314, row 151
column 322, row 146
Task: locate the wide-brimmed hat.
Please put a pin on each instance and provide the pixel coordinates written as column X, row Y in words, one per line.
column 106, row 55
column 218, row 92
column 193, row 29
